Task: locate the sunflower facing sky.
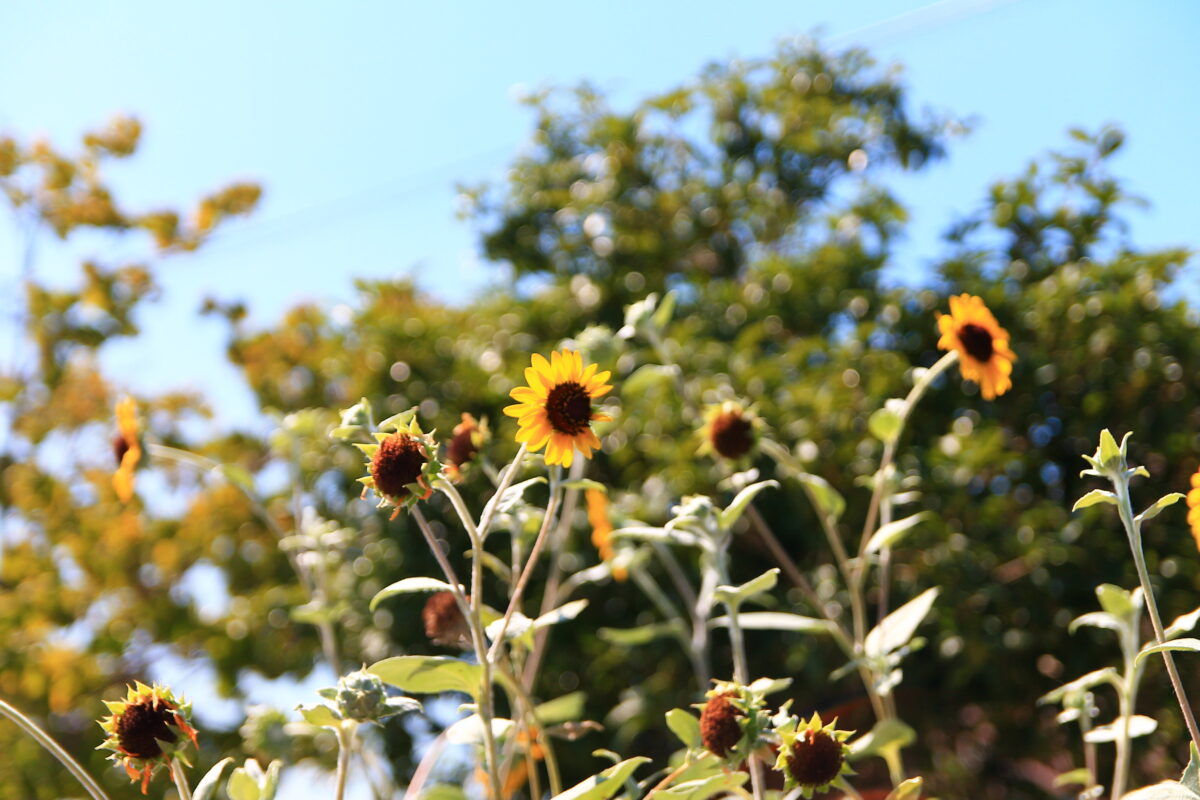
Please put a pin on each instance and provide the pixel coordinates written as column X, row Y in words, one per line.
column 555, row 410
column 127, row 448
column 982, row 345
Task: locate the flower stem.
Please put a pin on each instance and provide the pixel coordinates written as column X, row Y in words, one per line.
column 181, row 781
column 741, row 669
column 31, row 729
column 345, row 737
column 1134, row 534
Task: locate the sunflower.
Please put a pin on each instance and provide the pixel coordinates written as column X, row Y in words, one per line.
column 812, row 756
column 127, row 448
column 465, row 441
column 555, row 409
column 144, row 731
column 1193, row 504
column 981, row 343
column 402, row 463
column 730, row 430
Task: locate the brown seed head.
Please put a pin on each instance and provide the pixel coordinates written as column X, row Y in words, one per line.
column 444, row 622
column 120, row 446
column 142, row 725
column 719, row 728
column 977, row 341
column 816, row 758
column 731, row 434
column 397, row 463
column 462, row 446
column 569, row 408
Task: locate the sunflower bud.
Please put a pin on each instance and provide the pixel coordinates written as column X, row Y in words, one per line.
column 361, row 696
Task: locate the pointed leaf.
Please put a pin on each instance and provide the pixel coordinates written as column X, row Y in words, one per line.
column 1191, row 774
column 896, row 629
column 1183, row 645
column 1138, row 726
column 567, row 708
column 774, row 621
column 736, row 595
column 469, row 730
column 408, row 586
column 685, row 726
column 733, row 512
column 242, row 787
column 631, row 637
column 888, row 535
column 1093, row 497
column 1183, row 623
column 207, row 787
column 429, row 674
column 887, row 737
column 604, row 785
column 829, row 503
column 1082, row 684
column 1115, row 600
column 907, row 790
column 1096, row 619
column 1159, row 504
column 320, row 715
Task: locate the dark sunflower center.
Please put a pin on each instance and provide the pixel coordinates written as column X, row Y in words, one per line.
column 142, row 726
column 816, row 758
column 977, row 341
column 732, row 435
column 719, row 729
column 120, row 447
column 397, row 463
column 462, row 447
column 569, row 408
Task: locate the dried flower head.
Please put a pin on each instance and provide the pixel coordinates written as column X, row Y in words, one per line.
column 444, row 621
column 981, row 343
column 720, row 729
column 127, row 448
column 555, row 409
column 147, row 729
column 730, row 430
column 466, row 440
column 402, row 463
column 812, row 756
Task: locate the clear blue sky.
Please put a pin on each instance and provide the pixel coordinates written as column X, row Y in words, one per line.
column 359, row 120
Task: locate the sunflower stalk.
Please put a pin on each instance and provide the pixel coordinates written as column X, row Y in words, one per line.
column 181, row 782
column 31, row 729
column 345, row 739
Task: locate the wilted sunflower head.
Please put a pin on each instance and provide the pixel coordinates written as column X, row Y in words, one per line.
column 982, row 345
column 730, row 430
column 812, row 756
column 147, row 729
column 444, row 621
column 720, row 729
column 555, row 409
column 733, row 719
column 127, row 448
column 402, row 464
column 465, row 442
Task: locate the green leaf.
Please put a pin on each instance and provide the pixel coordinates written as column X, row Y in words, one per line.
column 1183, row 623
column 1076, row 777
column 1167, row 790
column 648, row 376
column 1082, row 684
column 604, row 785
column 1108, row 447
column 664, row 535
column 1096, row 619
column 1138, row 726
column 1093, row 497
column 888, row 535
column 429, row 674
column 514, row 494
column 567, row 708
column 733, row 512
column 1191, row 774
column 1182, row 645
column 397, row 421
column 665, row 310
column 1115, row 600
column 320, row 715
column 897, row 628
column 444, row 791
column 685, row 726
column 242, row 787
column 409, row 586
column 886, row 738
column 632, row 637
column 703, row 788
column 1159, row 504
column 886, row 423
column 207, row 787
column 829, row 503
column 907, row 790
column 565, row 612
column 774, row 621
column 585, row 483
column 736, row 595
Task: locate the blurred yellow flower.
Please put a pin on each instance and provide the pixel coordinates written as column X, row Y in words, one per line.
column 981, row 343
column 1193, row 504
column 597, row 512
column 127, row 448
column 730, row 430
column 555, row 409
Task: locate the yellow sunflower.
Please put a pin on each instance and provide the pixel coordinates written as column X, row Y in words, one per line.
column 981, row 343
column 597, row 513
column 1193, row 505
column 555, row 410
column 144, row 731
column 730, row 430
column 127, row 448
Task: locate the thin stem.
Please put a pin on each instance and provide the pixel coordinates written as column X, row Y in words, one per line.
column 31, row 729
column 425, row 768
column 506, row 479
column 345, row 739
column 526, row 573
column 464, row 605
column 1134, row 532
column 671, row 776
column 741, row 669
column 181, row 781
column 460, row 507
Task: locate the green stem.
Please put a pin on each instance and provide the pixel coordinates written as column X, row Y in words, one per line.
column 506, row 479
column 345, row 737
column 1134, row 533
column 741, row 669
column 181, row 781
column 31, row 729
